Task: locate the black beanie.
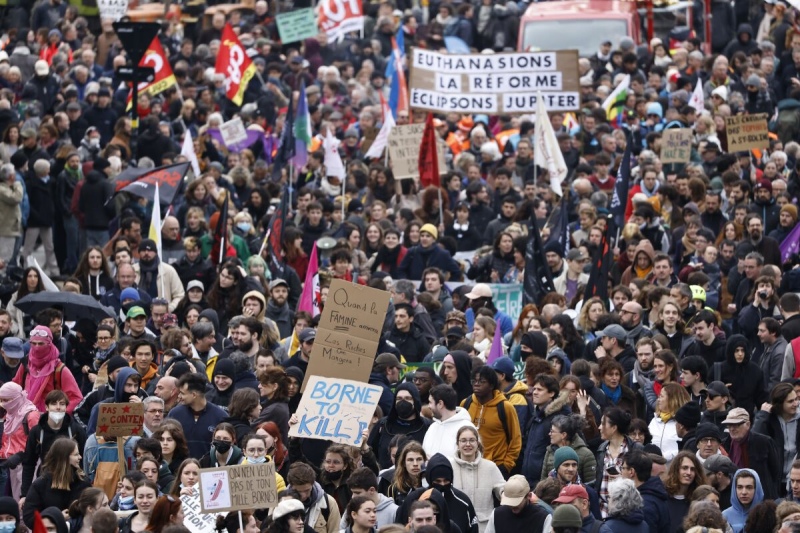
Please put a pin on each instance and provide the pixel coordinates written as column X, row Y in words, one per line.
column 9, row 506
column 536, row 341
column 115, row 363
column 100, row 164
column 688, row 415
column 224, row 367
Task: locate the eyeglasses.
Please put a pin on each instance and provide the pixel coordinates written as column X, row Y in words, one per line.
column 467, row 441
column 103, row 339
column 708, row 440
column 155, row 411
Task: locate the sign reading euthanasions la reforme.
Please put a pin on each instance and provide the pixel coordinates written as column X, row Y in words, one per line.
column 505, row 83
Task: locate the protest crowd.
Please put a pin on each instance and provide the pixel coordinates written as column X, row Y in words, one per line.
column 582, row 318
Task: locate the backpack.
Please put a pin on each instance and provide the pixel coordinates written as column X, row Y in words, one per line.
column 56, row 376
column 501, row 414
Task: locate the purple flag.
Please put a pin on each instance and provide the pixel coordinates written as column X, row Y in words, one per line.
column 791, row 244
column 496, row 351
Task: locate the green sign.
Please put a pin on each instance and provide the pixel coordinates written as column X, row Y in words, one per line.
column 297, row 25
column 507, row 297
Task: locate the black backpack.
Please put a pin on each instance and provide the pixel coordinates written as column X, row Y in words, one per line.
column 501, row 414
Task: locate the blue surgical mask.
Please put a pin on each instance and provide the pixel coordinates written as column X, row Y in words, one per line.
column 244, row 226
column 253, row 460
column 8, row 527
column 126, row 503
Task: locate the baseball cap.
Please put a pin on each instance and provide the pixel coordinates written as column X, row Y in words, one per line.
column 480, row 290
column 135, row 311
column 615, row 331
column 195, row 284
column 576, row 255
column 42, row 68
column 719, row 463
column 737, row 416
column 278, row 282
column 567, row 516
column 27, row 133
column 170, row 319
column 12, row 348
column 504, row 365
column 570, row 492
column 718, row 388
column 148, row 245
column 389, row 360
column 515, row 490
column 308, row 334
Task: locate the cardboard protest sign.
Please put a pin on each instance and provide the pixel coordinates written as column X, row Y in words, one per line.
column 120, row 419
column 747, row 132
column 335, row 409
column 404, row 143
column 233, row 131
column 297, row 25
column 237, row 488
column 676, row 145
column 112, row 9
column 494, row 84
column 349, row 331
column 195, row 519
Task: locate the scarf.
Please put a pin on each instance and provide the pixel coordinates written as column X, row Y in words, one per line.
column 615, row 395
column 738, row 453
column 42, row 362
column 17, row 407
column 666, row 417
column 149, row 275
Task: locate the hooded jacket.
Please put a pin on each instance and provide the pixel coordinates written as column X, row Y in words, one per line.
column 481, row 481
column 260, row 297
column 321, row 512
column 632, row 272
column 385, row 510
column 736, row 514
column 444, row 520
column 40, row 438
column 746, row 379
column 120, row 396
column 441, row 435
column 459, row 506
column 391, row 425
column 539, row 436
column 463, row 385
column 502, row 443
column 655, row 498
column 739, row 45
column 629, row 523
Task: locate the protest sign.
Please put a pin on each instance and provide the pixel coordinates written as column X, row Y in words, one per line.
column 349, row 331
column 494, row 84
column 120, row 419
column 112, row 9
column 237, row 488
column 507, row 297
column 676, row 145
column 335, row 409
column 297, row 25
column 195, row 519
column 233, row 131
column 747, row 132
column 404, row 143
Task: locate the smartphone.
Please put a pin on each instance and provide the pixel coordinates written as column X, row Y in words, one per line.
column 612, row 471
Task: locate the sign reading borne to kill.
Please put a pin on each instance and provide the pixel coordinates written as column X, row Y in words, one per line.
column 494, row 83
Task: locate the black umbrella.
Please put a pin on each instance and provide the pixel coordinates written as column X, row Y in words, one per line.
column 74, row 306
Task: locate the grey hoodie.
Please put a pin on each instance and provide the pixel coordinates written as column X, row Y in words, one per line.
column 385, row 511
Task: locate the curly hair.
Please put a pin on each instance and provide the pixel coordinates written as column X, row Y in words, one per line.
column 583, row 318
column 762, row 517
column 704, row 514
column 672, row 478
column 623, row 498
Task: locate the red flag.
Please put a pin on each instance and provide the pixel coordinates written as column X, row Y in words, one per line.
column 428, row 156
column 38, row 523
column 155, row 57
column 235, row 65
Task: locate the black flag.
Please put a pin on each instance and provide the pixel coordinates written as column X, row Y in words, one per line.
column 538, row 277
column 602, row 259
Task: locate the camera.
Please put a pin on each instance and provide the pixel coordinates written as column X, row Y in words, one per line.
column 763, row 295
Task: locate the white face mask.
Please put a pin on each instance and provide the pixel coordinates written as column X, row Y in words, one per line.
column 257, row 460
column 56, row 417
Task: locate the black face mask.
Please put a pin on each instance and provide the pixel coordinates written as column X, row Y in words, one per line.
column 404, row 408
column 333, row 476
column 444, row 489
column 221, row 446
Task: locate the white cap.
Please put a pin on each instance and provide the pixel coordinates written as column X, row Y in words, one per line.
column 722, row 92
column 42, row 68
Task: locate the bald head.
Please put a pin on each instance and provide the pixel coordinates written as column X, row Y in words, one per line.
column 630, row 315
column 171, row 229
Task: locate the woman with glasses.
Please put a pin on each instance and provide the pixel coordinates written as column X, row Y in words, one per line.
column 336, row 469
column 45, row 372
column 105, row 345
column 224, row 451
column 168, row 511
column 61, row 483
column 478, row 478
column 565, row 431
column 778, row 420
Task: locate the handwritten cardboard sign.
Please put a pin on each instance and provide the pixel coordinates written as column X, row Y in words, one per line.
column 404, row 143
column 237, row 488
column 676, row 145
column 349, row 332
column 195, row 519
column 233, row 131
column 747, row 132
column 120, row 419
column 112, row 9
column 335, row 409
column 297, row 25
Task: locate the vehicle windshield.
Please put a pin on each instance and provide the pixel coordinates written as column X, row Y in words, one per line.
column 572, row 34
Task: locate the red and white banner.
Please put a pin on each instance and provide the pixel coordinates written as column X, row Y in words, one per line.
column 155, row 57
column 235, row 65
column 336, row 18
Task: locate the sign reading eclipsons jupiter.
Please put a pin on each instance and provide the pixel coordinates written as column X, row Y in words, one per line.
column 494, row 83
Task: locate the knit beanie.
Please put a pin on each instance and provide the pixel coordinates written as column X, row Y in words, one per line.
column 567, row 515
column 792, row 210
column 564, row 453
column 688, row 415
